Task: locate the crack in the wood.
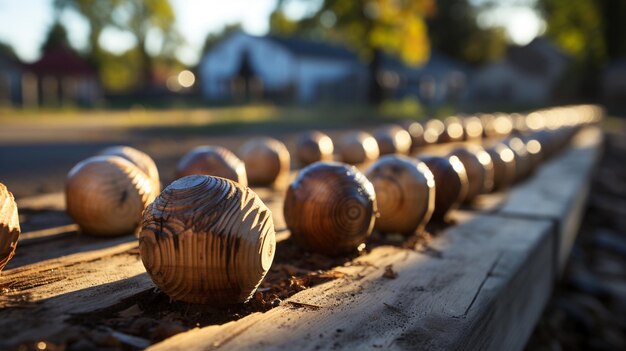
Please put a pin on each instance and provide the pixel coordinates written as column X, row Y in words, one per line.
column 480, row 287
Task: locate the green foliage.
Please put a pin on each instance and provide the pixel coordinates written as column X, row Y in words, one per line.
column 139, row 18
column 6, row 50
column 56, row 38
column 576, row 26
column 393, row 26
column 454, row 31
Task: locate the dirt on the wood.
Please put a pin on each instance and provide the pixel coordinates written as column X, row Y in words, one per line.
column 151, row 316
column 588, row 308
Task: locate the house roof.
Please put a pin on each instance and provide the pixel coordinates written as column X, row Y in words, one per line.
column 310, row 48
column 61, row 61
column 534, row 58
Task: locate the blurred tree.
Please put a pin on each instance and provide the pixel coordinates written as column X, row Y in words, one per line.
column 455, row 32
column 371, row 27
column 7, row 51
column 56, row 38
column 140, row 18
column 614, row 15
column 592, row 31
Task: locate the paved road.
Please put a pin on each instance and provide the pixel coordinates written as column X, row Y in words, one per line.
column 36, row 160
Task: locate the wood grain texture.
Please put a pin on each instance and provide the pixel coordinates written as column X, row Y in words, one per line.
column 267, row 161
column 454, row 130
column 207, row 240
column 503, row 160
column 214, row 161
column 559, row 190
column 405, row 194
column 9, row 226
column 434, row 303
column 416, row 131
column 478, row 167
column 313, row 146
column 451, row 184
column 330, row 208
column 106, row 195
column 523, row 162
column 139, row 159
column 357, row 147
column 392, row 139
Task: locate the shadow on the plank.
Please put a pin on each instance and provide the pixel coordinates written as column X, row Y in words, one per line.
column 57, row 245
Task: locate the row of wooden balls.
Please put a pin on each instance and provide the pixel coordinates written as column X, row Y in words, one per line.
column 208, row 239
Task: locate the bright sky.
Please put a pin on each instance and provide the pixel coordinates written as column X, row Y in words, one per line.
column 24, row 23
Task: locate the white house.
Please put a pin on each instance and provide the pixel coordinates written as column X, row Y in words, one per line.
column 527, row 75
column 244, row 66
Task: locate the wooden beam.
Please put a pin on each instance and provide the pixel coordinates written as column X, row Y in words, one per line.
column 486, row 289
column 559, row 191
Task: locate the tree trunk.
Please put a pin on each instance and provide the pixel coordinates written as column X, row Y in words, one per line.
column 146, row 66
column 375, row 91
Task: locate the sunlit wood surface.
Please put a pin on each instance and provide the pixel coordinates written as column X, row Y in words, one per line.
column 479, row 284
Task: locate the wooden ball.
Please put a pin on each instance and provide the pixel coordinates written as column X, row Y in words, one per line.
column 313, row 147
column 416, row 131
column 479, row 169
column 473, row 128
column 535, row 152
column 451, row 184
column 405, row 194
column 9, row 226
column 523, row 163
column 214, row 161
column 138, row 158
column 330, row 208
column 267, row 161
column 393, row 140
column 207, row 240
column 106, row 195
column 358, row 147
column 453, row 131
column 503, row 165
column 433, row 130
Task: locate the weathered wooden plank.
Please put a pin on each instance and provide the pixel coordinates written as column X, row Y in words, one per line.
column 37, row 299
column 559, row 190
column 474, row 288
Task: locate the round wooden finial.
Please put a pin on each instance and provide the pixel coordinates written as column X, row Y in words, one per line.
column 214, row 161
column 358, row 147
column 207, row 240
column 267, row 161
column 523, row 163
column 405, row 194
column 313, row 147
column 473, row 128
column 106, row 195
column 330, row 208
column 451, row 184
column 9, row 226
column 453, row 131
column 138, row 158
column 416, row 131
column 503, row 165
column 433, row 130
column 392, row 140
column 479, row 168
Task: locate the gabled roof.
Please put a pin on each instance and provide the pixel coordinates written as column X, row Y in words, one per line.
column 310, row 48
column 61, row 61
column 534, row 58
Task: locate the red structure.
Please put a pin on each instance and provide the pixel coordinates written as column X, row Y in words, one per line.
column 60, row 76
